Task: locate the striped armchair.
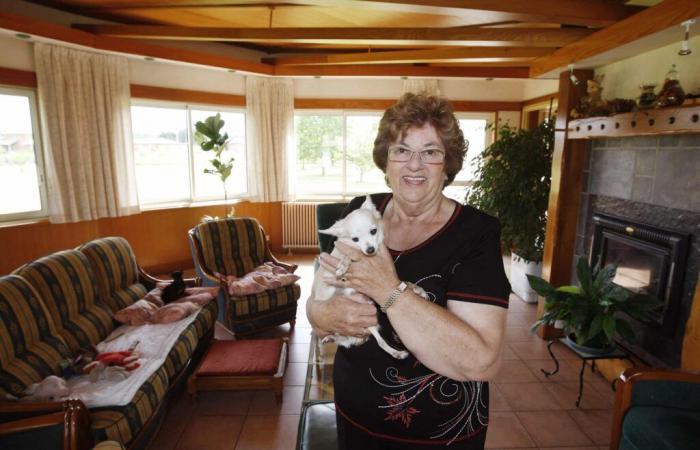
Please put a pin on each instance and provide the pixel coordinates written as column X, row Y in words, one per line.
column 235, row 246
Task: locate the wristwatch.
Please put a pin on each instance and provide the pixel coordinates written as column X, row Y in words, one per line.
column 394, row 296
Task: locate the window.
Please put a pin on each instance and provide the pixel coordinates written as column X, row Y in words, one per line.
column 473, row 126
column 334, row 154
column 170, row 165
column 21, row 167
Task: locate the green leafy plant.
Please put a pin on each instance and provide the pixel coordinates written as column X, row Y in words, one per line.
column 513, row 181
column 590, row 310
column 208, row 136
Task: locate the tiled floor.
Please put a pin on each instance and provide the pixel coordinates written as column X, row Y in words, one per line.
column 528, row 410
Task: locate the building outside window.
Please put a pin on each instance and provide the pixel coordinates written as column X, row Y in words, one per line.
column 21, row 165
column 169, row 163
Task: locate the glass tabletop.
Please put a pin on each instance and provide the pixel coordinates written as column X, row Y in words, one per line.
column 319, row 371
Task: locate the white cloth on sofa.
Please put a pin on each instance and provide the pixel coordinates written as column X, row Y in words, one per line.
column 155, row 342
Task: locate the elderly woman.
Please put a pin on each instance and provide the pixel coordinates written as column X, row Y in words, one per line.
column 439, row 395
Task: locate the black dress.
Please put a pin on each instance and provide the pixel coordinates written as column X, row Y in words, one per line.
column 385, row 403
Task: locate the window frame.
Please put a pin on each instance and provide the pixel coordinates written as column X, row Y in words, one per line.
column 38, row 155
column 188, row 107
column 344, row 113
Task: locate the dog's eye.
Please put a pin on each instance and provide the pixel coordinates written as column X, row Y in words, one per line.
column 356, row 239
column 373, row 231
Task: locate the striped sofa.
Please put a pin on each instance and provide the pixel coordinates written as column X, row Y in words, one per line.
column 55, row 305
column 235, row 246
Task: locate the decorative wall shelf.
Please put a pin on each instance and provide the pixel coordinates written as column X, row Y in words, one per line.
column 639, row 123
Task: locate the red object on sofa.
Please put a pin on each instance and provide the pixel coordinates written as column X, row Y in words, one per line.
column 245, row 357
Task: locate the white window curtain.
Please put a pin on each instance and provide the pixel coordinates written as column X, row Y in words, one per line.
column 84, row 102
column 421, row 86
column 270, row 133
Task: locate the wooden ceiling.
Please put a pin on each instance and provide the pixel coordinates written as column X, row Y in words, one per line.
column 393, row 37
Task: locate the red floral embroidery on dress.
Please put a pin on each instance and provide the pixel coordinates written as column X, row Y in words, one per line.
column 398, row 411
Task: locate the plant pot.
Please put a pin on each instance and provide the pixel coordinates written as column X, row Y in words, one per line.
column 519, row 269
column 590, row 350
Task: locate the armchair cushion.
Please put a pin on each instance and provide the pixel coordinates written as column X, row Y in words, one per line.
column 66, row 283
column 116, row 271
column 30, row 347
column 660, row 428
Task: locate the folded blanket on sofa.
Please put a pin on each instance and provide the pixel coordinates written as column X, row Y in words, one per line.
column 264, row 277
column 154, row 344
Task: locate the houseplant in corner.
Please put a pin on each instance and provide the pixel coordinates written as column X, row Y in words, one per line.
column 590, row 310
column 513, row 180
column 208, row 136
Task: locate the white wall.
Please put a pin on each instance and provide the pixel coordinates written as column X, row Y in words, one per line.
column 622, row 78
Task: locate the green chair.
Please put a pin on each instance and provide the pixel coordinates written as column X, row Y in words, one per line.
column 326, row 215
column 656, row 409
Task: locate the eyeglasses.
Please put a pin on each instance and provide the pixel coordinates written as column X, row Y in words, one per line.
column 403, row 154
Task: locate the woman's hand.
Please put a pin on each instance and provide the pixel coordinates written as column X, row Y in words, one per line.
column 346, row 315
column 375, row 276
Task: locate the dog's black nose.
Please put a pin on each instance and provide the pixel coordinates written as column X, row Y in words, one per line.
column 370, row 250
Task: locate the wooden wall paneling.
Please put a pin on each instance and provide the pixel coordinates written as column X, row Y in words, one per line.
column 159, row 237
column 564, row 197
column 186, row 95
column 16, row 77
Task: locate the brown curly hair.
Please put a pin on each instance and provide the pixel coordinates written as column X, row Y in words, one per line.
column 416, row 110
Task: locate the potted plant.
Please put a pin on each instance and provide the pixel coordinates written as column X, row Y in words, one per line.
column 513, row 180
column 208, row 136
column 590, row 310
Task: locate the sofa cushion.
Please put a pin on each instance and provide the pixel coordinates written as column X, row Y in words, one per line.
column 231, row 246
column 116, row 272
column 30, row 346
column 66, row 283
column 123, row 423
column 186, row 344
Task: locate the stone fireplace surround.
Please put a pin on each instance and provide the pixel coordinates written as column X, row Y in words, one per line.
column 653, row 180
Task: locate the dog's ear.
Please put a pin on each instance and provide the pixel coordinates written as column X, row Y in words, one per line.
column 336, row 230
column 368, row 204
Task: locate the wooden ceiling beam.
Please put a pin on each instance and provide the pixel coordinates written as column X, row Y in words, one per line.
column 530, row 37
column 652, row 20
column 451, row 54
column 593, row 13
column 49, row 30
column 396, row 70
column 572, row 12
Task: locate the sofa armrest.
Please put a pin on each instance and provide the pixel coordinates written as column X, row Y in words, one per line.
column 68, row 425
column 625, row 389
column 150, row 281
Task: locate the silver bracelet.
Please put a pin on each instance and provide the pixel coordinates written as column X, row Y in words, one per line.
column 395, row 294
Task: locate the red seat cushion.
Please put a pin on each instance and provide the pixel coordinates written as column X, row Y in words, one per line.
column 242, row 358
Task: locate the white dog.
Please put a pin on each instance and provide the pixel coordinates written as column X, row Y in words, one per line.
column 362, row 228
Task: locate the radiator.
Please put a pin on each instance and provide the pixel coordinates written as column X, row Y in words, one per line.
column 299, row 226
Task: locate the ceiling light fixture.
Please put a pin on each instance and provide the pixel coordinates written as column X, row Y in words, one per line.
column 574, row 79
column 685, row 49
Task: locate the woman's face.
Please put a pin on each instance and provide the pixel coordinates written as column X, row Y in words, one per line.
column 418, row 180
